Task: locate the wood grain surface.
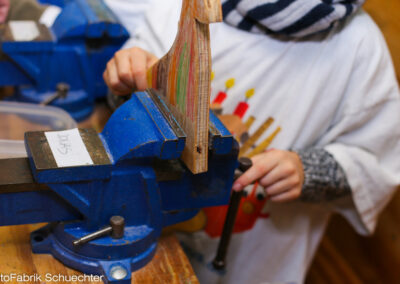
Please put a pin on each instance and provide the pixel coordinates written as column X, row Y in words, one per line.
column 169, row 265
column 183, row 78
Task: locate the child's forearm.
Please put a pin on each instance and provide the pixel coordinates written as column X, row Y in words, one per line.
column 324, row 178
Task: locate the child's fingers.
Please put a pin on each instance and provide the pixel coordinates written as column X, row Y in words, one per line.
column 112, row 80
column 288, row 195
column 282, row 185
column 127, row 70
column 124, row 70
column 275, row 175
column 138, row 61
column 151, row 60
column 257, row 158
column 257, row 171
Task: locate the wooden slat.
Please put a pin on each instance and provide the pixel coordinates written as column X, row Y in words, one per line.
column 183, row 77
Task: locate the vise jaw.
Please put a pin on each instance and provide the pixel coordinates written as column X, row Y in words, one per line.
column 135, row 172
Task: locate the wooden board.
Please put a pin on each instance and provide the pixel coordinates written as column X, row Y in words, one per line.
column 183, row 77
column 169, row 265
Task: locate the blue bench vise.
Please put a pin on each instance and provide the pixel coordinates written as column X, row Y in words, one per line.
column 67, row 59
column 106, row 217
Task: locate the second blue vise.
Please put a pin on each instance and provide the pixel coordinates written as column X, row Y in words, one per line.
column 62, row 65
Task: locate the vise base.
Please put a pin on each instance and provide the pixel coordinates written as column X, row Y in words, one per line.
column 134, row 172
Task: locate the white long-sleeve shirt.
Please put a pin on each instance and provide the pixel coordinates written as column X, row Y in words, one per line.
column 335, row 91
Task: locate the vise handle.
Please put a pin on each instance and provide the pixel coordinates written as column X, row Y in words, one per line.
column 116, row 229
column 219, row 261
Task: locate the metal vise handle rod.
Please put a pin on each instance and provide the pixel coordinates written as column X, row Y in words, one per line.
column 219, row 261
column 98, row 234
column 116, row 229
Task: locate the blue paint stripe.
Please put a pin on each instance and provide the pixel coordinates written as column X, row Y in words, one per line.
column 317, row 13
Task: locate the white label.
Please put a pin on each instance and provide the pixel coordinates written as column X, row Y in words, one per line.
column 68, row 148
column 24, row 30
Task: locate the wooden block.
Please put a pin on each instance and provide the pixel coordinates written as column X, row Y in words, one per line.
column 183, row 77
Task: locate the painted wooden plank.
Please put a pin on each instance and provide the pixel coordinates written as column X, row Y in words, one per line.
column 183, row 77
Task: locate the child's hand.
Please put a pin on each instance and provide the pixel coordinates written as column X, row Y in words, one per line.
column 279, row 172
column 126, row 71
column 4, row 8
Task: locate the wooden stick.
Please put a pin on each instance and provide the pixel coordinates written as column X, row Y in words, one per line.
column 183, row 76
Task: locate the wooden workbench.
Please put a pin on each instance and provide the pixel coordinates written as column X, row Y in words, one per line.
column 170, row 264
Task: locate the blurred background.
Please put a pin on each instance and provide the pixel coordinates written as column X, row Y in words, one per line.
column 344, row 256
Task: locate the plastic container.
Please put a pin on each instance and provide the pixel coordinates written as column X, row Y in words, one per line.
column 18, row 118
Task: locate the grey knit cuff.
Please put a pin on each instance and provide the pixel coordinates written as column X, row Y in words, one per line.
column 324, row 178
